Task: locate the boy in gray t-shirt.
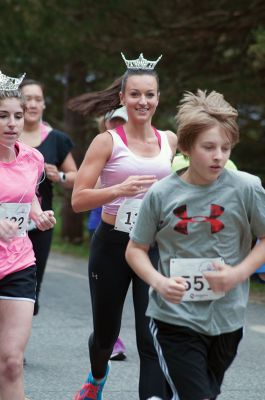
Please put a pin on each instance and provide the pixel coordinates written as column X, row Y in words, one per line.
column 202, row 218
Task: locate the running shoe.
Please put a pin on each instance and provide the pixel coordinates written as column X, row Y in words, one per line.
column 92, row 390
column 154, row 398
column 118, row 352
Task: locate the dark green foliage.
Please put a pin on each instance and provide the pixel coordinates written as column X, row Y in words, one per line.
column 74, row 46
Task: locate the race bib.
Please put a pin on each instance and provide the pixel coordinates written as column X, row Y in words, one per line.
column 16, row 212
column 192, row 270
column 127, row 214
column 31, row 225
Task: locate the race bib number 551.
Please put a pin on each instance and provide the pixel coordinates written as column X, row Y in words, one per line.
column 192, row 270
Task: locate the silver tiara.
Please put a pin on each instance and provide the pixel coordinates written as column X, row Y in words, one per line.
column 8, row 83
column 140, row 63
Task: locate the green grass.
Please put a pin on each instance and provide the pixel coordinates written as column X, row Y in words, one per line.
column 258, row 288
column 257, row 292
column 64, row 246
column 61, row 245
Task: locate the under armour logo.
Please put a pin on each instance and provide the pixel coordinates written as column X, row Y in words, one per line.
column 215, row 212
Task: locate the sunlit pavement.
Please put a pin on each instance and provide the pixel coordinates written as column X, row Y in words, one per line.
column 57, row 355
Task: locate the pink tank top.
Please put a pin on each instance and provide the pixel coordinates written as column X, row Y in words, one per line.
column 124, row 163
column 19, row 179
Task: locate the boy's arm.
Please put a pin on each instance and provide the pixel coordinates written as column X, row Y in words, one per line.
column 172, row 289
column 226, row 277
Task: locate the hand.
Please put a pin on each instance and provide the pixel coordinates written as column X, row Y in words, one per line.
column 8, row 230
column 52, row 172
column 135, row 185
column 172, row 289
column 223, row 279
column 45, row 220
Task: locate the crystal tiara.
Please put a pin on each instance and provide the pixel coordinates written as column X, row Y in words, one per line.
column 8, row 83
column 140, row 63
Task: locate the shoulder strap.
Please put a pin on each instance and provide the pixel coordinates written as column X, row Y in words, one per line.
column 158, row 136
column 120, row 131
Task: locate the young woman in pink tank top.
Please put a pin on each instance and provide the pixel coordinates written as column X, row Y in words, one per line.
column 128, row 161
column 21, row 169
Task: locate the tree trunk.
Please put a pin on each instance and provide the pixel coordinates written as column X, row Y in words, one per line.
column 75, row 125
column 72, row 224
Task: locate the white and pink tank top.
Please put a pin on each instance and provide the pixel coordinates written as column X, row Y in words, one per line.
column 124, row 163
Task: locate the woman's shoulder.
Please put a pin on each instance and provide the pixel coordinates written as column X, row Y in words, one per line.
column 172, row 139
column 172, row 136
column 104, row 137
column 27, row 150
column 58, row 142
column 56, row 134
column 102, row 144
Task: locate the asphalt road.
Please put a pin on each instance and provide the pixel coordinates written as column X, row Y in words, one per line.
column 57, row 356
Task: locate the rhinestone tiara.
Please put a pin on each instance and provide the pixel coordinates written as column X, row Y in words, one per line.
column 8, row 83
column 140, row 63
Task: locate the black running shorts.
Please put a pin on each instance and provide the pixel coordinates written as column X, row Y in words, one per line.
column 196, row 363
column 20, row 285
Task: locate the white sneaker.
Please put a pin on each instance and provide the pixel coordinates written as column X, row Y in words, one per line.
column 154, row 398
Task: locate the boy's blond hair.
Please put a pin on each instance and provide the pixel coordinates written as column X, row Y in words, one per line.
column 200, row 112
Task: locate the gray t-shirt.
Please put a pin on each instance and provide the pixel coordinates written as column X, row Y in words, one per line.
column 190, row 221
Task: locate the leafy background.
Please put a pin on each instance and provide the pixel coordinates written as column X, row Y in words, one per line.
column 74, row 46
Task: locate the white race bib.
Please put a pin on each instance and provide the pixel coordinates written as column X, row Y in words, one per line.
column 127, row 214
column 16, row 212
column 192, row 270
column 31, row 225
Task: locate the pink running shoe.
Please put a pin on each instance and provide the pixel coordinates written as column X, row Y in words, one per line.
column 92, row 390
column 118, row 352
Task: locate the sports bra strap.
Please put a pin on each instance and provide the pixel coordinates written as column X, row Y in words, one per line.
column 158, row 136
column 120, row 131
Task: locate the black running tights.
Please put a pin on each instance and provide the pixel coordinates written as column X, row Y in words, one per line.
column 110, row 277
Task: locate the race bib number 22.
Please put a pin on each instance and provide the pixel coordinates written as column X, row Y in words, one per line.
column 16, row 212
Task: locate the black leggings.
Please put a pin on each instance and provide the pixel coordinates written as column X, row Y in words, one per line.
column 41, row 242
column 109, row 278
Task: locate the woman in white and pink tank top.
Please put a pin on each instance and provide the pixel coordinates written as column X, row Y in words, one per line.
column 127, row 160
